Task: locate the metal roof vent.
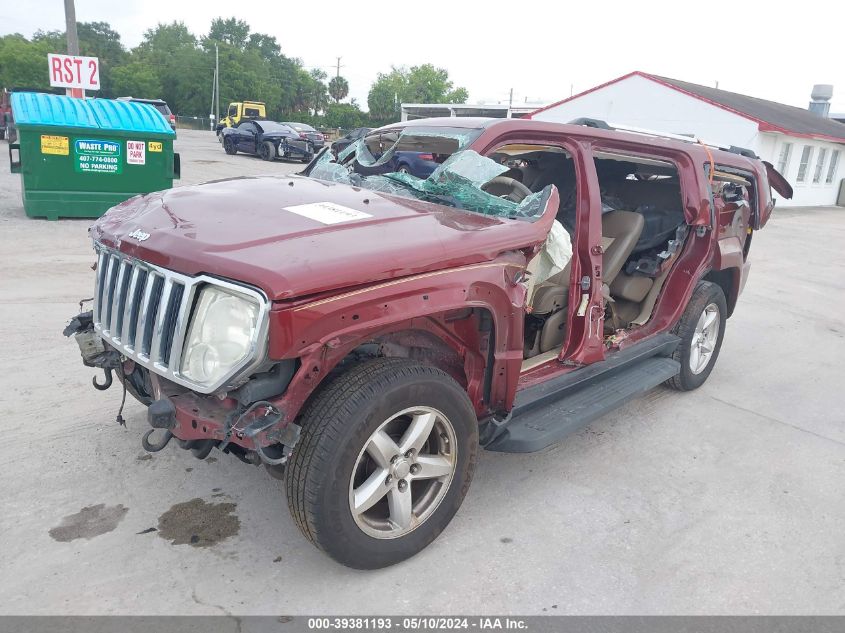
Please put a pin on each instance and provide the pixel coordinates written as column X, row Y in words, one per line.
column 821, row 95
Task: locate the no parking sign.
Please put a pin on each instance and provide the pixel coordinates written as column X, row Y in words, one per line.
column 136, row 152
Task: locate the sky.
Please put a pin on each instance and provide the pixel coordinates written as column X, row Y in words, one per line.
column 543, row 50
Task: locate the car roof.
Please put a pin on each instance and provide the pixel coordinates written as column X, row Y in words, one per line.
column 643, row 138
column 141, row 100
column 261, row 121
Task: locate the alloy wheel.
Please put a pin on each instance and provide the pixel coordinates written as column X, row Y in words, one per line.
column 704, row 339
column 403, row 472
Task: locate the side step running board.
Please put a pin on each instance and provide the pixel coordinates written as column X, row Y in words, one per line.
column 537, row 427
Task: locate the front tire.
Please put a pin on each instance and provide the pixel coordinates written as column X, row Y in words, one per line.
column 701, row 330
column 229, row 146
column 267, row 151
column 386, row 456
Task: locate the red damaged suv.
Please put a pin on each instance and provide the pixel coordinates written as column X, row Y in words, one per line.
column 363, row 336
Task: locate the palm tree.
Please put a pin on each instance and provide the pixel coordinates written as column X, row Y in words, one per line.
column 338, row 88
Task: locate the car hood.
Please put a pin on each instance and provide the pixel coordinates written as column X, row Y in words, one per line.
column 256, row 231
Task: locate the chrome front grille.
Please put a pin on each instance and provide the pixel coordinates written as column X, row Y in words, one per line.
column 143, row 311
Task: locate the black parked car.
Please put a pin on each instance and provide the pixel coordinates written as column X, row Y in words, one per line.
column 306, row 132
column 267, row 139
column 158, row 104
column 345, row 141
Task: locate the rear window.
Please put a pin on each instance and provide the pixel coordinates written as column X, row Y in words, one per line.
column 272, row 126
column 252, row 112
column 162, row 107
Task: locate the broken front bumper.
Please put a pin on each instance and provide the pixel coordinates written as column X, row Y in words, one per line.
column 243, row 422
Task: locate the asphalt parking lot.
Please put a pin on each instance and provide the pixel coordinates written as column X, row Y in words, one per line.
column 726, row 500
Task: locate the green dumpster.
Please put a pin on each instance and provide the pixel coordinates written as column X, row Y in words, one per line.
column 79, row 157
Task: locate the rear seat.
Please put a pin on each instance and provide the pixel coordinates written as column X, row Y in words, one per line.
column 660, row 204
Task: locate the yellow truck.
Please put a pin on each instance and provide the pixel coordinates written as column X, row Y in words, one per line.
column 240, row 110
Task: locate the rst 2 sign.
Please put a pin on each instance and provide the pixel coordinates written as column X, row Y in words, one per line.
column 73, row 71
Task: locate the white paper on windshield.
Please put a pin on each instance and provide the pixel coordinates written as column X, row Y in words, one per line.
column 327, row 212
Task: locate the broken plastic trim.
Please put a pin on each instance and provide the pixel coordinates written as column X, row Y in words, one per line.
column 455, row 183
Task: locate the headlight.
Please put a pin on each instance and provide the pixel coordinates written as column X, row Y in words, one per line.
column 221, row 335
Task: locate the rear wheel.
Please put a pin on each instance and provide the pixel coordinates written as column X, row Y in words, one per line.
column 404, row 169
column 267, row 151
column 229, row 146
column 387, row 453
column 701, row 329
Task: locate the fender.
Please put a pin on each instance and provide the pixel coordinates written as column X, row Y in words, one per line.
column 728, row 253
column 321, row 333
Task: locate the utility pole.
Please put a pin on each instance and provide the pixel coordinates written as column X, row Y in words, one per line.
column 217, row 83
column 211, row 114
column 510, row 104
column 338, row 67
column 72, row 42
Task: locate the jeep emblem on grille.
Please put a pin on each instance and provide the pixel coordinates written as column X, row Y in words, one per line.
column 139, row 235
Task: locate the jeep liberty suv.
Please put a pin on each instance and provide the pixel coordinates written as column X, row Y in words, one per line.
column 363, row 336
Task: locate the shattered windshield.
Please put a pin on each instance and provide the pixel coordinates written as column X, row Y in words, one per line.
column 457, row 178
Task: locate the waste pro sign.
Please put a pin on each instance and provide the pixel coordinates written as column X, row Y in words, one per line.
column 73, row 71
column 92, row 156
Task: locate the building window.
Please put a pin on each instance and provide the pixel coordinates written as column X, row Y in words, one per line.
column 831, row 170
column 817, row 175
column 783, row 159
column 804, row 165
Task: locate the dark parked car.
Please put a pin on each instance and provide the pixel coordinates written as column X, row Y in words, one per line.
column 419, row 164
column 383, row 152
column 306, row 132
column 159, row 105
column 345, row 141
column 267, row 139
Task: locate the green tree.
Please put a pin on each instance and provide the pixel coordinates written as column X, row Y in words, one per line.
column 419, row 84
column 173, row 64
column 343, row 115
column 23, row 63
column 52, row 41
column 165, row 38
column 338, row 88
column 321, row 92
column 458, row 95
column 386, row 94
column 136, row 79
column 232, row 31
column 184, row 70
column 265, row 45
column 427, row 84
column 98, row 39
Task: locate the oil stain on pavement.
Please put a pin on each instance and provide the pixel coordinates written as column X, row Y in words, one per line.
column 198, row 523
column 89, row 522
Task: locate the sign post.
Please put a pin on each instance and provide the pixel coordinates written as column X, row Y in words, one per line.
column 74, row 72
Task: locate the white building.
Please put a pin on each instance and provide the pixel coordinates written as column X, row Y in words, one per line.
column 805, row 147
column 411, row 111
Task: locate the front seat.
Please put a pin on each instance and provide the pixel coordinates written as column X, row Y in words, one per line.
column 623, row 229
column 620, row 232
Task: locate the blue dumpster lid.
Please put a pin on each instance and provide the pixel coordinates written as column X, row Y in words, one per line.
column 37, row 108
